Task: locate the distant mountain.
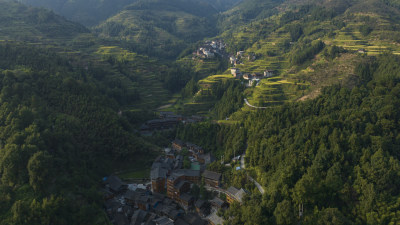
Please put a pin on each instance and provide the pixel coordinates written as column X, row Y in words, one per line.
column 92, row 12
column 87, row 12
column 222, row 5
column 159, row 27
column 19, row 22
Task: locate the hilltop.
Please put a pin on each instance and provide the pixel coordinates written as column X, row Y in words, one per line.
column 158, row 27
column 88, row 12
column 22, row 23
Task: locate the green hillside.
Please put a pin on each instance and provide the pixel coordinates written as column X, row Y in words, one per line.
column 136, row 81
column 336, row 157
column 21, row 23
column 311, row 47
column 60, row 134
column 222, row 5
column 87, row 12
column 158, row 27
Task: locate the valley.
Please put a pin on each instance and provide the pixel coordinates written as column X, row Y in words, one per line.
column 214, row 112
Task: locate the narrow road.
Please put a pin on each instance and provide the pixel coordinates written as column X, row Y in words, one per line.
column 260, row 188
column 242, row 164
column 252, row 106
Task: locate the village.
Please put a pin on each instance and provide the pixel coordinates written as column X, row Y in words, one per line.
column 210, row 49
column 253, row 78
column 172, row 195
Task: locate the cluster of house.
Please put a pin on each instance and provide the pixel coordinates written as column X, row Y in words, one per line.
column 168, row 120
column 251, row 78
column 235, row 60
column 167, row 176
column 167, row 200
column 140, row 206
column 209, row 49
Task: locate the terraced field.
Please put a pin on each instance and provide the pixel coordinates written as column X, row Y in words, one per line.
column 145, row 70
column 375, row 43
column 269, row 55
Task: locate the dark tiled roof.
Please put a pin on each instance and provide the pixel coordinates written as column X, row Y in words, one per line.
column 211, row 175
column 120, row 219
column 158, row 172
column 178, row 142
column 186, row 197
column 163, row 221
column 208, row 158
column 138, row 217
column 150, row 219
column 181, row 222
column 115, row 183
column 188, row 173
column 173, row 214
column 217, row 201
column 199, row 203
column 194, row 219
column 180, row 184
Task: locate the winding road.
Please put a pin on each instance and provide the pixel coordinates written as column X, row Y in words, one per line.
column 242, row 164
column 252, row 106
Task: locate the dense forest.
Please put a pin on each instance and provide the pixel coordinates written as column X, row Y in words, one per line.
column 72, row 99
column 59, row 136
column 336, row 155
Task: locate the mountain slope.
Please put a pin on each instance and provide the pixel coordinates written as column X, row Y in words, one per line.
column 159, row 27
column 222, row 5
column 19, row 22
column 87, row 12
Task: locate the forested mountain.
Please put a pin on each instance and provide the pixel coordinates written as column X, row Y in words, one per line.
column 337, row 155
column 92, row 12
column 86, row 12
column 321, row 134
column 222, row 5
column 159, row 27
column 22, row 23
column 60, row 134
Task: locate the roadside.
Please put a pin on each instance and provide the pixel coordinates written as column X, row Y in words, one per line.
column 243, row 166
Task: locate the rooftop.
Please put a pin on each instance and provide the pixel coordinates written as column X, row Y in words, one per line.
column 158, row 172
column 163, row 221
column 211, row 175
column 199, row 203
column 236, row 193
column 217, row 201
column 186, row 197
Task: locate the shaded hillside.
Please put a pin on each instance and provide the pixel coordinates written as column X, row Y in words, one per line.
column 137, row 82
column 222, row 5
column 157, row 27
column 22, row 23
column 246, row 11
column 87, row 12
column 60, row 133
